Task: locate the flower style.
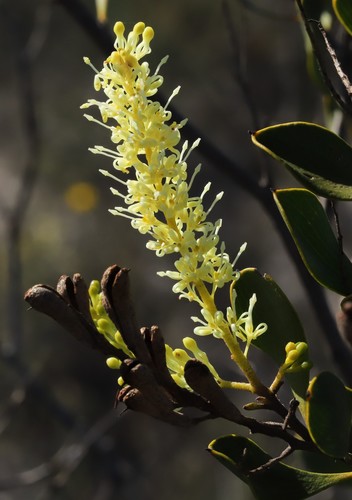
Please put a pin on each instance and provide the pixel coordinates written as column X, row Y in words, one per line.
column 156, row 193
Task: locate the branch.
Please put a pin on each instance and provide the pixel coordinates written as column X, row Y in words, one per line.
column 284, row 454
column 328, row 62
column 202, row 382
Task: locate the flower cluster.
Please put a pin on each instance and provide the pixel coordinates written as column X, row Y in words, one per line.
column 157, row 200
column 295, row 360
column 294, row 354
column 176, row 360
column 156, row 187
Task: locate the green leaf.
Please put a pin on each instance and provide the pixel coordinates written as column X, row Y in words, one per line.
column 329, row 412
column 241, row 455
column 343, row 12
column 317, row 157
column 274, row 309
column 320, row 251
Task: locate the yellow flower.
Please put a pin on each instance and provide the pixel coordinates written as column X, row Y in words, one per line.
column 243, row 327
column 157, row 199
column 293, row 361
column 155, row 195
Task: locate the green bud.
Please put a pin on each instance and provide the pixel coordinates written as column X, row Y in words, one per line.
column 290, row 346
column 181, row 356
column 179, row 380
column 118, row 338
column 103, row 324
column 301, row 347
column 292, row 356
column 306, row 365
column 219, row 317
column 94, row 288
column 113, row 363
column 190, row 344
column 100, row 309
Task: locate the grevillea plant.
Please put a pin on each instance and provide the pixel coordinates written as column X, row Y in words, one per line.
column 152, row 179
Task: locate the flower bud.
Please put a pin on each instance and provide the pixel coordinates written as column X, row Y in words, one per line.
column 113, row 363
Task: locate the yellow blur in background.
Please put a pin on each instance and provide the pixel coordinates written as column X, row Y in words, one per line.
column 81, row 197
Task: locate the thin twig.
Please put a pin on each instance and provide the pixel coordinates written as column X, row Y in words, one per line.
column 343, row 77
column 291, row 413
column 286, row 452
column 343, row 101
column 337, row 224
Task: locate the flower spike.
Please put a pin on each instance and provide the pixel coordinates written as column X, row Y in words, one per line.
column 156, row 194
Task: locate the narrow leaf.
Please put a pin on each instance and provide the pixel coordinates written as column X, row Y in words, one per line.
column 317, row 157
column 241, row 456
column 320, row 251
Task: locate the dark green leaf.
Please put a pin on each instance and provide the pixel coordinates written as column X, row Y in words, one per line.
column 314, row 238
column 329, row 412
column 317, row 157
column 344, row 13
column 274, row 309
column 241, row 455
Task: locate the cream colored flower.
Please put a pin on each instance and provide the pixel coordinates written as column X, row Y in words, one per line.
column 155, row 195
column 243, row 326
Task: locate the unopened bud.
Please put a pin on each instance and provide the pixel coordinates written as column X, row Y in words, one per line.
column 113, row 363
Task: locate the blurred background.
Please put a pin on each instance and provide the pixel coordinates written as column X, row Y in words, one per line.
column 241, row 66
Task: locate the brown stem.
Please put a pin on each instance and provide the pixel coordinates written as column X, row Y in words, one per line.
column 200, row 380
